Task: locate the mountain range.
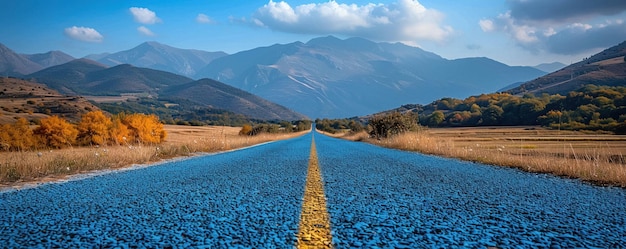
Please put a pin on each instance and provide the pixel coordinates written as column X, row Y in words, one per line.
column 87, row 77
column 158, row 56
column 330, row 77
column 324, row 77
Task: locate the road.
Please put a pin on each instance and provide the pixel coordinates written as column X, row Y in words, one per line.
column 375, row 197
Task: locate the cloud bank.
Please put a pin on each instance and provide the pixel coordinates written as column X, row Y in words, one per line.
column 83, row 34
column 404, row 20
column 565, row 27
column 144, row 15
column 559, row 11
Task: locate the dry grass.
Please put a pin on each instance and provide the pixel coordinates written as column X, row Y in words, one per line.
column 595, row 158
column 18, row 168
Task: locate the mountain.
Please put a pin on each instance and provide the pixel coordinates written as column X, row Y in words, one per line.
column 161, row 57
column 605, row 68
column 330, row 77
column 49, row 59
column 550, row 67
column 221, row 96
column 87, row 77
column 13, row 64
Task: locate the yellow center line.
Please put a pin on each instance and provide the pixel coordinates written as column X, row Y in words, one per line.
column 314, row 230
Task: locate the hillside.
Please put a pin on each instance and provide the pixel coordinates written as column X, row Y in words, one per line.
column 86, row 77
column 33, row 101
column 90, row 78
column 158, row 56
column 218, row 95
column 330, row 77
column 605, row 68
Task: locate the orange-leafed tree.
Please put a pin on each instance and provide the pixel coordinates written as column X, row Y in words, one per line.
column 56, row 132
column 245, row 130
column 16, row 136
column 120, row 134
column 94, row 128
column 145, row 128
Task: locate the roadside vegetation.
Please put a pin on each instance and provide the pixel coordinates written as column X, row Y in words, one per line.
column 579, row 138
column 595, row 108
column 56, row 148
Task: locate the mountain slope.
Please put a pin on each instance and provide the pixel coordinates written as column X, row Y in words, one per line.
column 330, row 77
column 87, row 77
column 13, row 64
column 67, row 78
column 49, row 59
column 221, row 96
column 605, row 68
column 161, row 57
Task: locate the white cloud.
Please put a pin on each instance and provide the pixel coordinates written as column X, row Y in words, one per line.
column 486, row 25
column 84, row 34
column 145, row 31
column 202, row 18
column 144, row 15
column 404, row 20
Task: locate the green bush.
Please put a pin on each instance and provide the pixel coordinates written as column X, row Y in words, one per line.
column 383, row 126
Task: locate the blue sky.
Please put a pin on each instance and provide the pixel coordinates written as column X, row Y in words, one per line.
column 515, row 32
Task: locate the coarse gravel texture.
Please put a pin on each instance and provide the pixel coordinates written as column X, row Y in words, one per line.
column 248, row 198
column 384, row 198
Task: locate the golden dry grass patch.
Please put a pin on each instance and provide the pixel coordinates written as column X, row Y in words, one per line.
column 597, row 158
column 20, row 168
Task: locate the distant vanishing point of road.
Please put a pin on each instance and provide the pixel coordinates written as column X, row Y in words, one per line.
column 374, row 198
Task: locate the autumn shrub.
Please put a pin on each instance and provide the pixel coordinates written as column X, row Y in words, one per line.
column 56, row 132
column 17, row 136
column 94, row 128
column 145, row 128
column 245, row 130
column 119, row 132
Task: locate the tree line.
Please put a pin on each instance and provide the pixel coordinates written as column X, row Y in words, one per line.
column 275, row 127
column 589, row 108
column 94, row 128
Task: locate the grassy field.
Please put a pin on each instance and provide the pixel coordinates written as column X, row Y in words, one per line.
column 19, row 168
column 597, row 158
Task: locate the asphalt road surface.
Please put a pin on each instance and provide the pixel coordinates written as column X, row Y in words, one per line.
column 376, row 198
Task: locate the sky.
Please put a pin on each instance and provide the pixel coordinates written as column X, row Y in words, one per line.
column 515, row 32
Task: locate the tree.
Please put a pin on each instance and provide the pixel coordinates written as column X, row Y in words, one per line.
column 383, row 126
column 435, row 119
column 94, row 128
column 56, row 132
column 16, row 136
column 119, row 132
column 492, row 115
column 145, row 128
